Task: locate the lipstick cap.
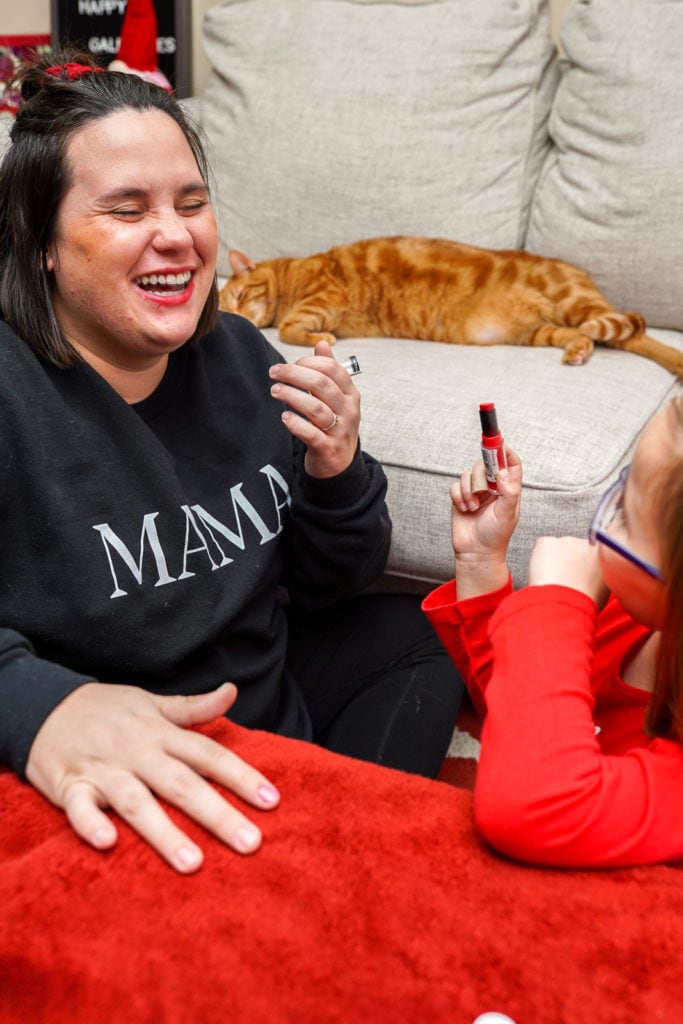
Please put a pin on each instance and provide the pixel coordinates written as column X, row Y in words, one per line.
column 351, row 364
column 489, row 419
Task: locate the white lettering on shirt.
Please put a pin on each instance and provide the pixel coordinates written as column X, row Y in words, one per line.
column 149, row 533
column 204, row 535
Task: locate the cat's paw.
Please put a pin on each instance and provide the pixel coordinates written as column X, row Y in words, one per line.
column 296, row 334
column 322, row 336
column 578, row 351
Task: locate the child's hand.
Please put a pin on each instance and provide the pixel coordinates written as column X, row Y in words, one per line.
column 482, row 525
column 569, row 562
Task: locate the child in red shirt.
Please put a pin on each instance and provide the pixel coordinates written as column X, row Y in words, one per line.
column 580, row 674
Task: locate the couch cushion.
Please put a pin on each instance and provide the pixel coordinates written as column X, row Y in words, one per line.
column 333, row 120
column 573, row 427
column 610, row 196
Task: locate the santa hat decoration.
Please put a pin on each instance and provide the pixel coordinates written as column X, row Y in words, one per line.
column 137, row 52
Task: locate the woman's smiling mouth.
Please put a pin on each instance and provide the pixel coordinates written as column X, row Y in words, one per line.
column 165, row 284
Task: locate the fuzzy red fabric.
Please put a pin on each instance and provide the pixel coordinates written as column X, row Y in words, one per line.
column 372, row 899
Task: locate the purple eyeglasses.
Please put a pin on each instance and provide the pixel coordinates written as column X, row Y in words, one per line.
column 610, row 503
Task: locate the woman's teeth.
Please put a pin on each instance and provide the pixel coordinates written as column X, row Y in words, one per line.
column 165, row 282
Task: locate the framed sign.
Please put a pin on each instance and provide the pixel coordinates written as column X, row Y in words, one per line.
column 96, row 26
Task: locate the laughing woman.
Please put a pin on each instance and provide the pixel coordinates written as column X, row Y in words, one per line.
column 164, row 479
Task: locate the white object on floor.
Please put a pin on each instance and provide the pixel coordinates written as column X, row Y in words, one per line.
column 493, row 1018
column 464, row 745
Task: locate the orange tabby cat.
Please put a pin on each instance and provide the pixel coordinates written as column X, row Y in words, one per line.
column 437, row 291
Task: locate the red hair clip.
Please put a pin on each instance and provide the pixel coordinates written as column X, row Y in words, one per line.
column 70, row 71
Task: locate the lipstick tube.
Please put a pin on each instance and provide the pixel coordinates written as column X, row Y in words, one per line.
column 351, row 365
column 492, row 444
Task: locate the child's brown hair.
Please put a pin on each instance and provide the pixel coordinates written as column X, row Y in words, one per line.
column 665, row 713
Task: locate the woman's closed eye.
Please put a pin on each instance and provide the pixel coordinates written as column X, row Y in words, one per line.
column 128, row 213
column 185, row 210
column 195, row 207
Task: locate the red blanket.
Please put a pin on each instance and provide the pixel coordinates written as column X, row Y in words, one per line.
column 372, row 899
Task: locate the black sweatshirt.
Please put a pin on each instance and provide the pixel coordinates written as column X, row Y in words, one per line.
column 148, row 544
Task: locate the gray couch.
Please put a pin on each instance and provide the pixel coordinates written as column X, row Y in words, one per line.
column 333, row 120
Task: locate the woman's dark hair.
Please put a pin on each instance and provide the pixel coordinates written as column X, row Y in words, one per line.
column 665, row 712
column 34, row 177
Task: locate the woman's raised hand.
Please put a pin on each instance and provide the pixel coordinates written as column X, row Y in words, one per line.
column 114, row 746
column 323, row 409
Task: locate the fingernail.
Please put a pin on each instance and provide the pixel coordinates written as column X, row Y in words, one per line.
column 247, row 838
column 103, row 838
column 268, row 795
column 273, row 371
column 187, row 858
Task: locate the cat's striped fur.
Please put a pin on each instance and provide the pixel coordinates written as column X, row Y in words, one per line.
column 436, row 290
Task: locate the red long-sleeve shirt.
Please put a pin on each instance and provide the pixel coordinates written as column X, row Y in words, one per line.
column 567, row 775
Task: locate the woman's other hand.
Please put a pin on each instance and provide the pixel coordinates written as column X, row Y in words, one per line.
column 323, row 409
column 482, row 523
column 114, row 746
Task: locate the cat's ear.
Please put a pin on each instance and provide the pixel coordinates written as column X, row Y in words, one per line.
column 240, row 263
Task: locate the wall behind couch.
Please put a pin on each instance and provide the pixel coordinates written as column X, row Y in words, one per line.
column 33, row 16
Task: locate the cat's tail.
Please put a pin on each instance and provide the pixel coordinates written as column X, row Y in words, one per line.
column 627, row 331
column 643, row 345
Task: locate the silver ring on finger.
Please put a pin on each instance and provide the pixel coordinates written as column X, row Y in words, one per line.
column 335, row 421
